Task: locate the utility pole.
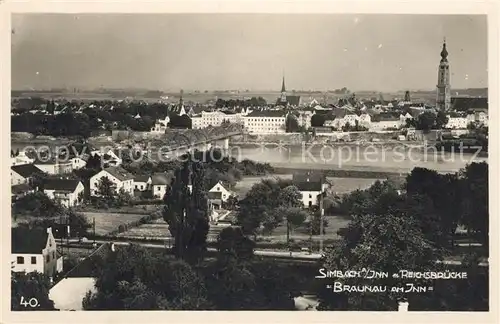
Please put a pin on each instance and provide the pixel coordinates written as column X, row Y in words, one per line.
column 311, row 234
column 288, row 236
column 67, row 236
column 321, row 212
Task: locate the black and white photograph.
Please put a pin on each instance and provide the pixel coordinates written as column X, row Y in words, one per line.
column 249, row 161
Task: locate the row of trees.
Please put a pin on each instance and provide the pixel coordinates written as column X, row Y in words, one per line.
column 232, row 103
column 445, row 200
column 134, row 278
column 89, row 120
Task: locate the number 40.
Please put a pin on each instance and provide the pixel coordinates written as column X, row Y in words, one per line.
column 33, row 302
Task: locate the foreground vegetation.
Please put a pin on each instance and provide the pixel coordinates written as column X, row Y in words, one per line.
column 408, row 229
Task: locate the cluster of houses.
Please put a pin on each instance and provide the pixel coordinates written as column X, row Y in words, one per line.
column 35, row 249
column 372, row 116
column 69, row 192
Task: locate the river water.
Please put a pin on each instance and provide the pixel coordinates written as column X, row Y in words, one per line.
column 395, row 158
column 351, row 157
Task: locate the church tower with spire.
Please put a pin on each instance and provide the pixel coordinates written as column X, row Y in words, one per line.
column 443, row 100
column 181, row 110
column 283, row 91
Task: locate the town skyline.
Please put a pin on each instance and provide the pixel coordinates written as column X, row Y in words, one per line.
column 222, row 51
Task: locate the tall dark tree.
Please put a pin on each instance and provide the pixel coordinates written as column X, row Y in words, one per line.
column 292, row 125
column 441, row 119
column 317, row 120
column 474, row 201
column 106, row 188
column 94, row 162
column 186, row 211
column 443, row 192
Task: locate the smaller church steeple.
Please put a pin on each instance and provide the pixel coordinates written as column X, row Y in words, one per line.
column 444, row 52
column 181, row 111
column 283, row 91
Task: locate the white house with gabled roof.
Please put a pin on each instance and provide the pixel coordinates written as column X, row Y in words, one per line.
column 120, row 178
column 221, row 188
column 34, row 249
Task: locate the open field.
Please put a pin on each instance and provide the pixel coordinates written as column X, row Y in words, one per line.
column 302, row 233
column 339, row 185
column 25, row 219
column 159, row 230
column 108, row 222
column 137, row 209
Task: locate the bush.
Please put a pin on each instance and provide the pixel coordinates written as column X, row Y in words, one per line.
column 121, row 228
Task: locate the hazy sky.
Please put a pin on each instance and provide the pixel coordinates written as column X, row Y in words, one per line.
column 246, row 51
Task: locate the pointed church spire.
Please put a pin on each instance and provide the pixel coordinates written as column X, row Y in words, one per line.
column 444, row 52
column 283, row 89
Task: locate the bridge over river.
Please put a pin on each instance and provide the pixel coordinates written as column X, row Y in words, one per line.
column 174, row 142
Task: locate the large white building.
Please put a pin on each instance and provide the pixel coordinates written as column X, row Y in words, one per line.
column 342, row 117
column 265, row 122
column 35, row 250
column 383, row 122
column 215, row 118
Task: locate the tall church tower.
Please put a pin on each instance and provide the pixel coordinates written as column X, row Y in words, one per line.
column 443, row 100
column 283, row 91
